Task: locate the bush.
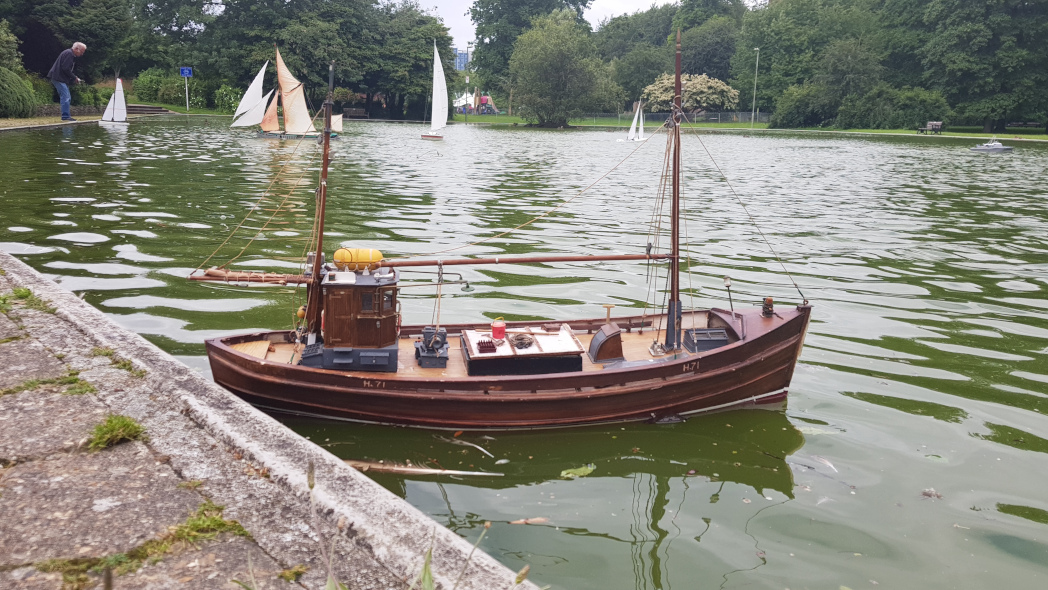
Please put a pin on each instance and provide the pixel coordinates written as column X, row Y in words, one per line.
column 10, row 57
column 16, row 99
column 84, row 95
column 227, row 98
column 810, row 105
column 147, row 84
column 885, row 107
column 104, row 94
column 43, row 90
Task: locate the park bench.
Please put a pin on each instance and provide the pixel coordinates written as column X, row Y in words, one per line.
column 354, row 113
column 931, row 127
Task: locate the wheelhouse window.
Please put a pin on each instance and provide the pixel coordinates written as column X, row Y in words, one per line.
column 367, row 302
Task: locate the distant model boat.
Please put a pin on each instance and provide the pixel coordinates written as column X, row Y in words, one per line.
column 636, row 133
column 992, row 146
column 253, row 109
column 116, row 109
column 439, row 119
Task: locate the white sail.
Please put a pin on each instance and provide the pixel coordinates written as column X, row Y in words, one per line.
column 336, row 123
column 110, row 108
column 640, row 128
column 440, row 94
column 116, row 109
column 293, row 97
column 255, row 114
column 632, row 135
column 252, row 97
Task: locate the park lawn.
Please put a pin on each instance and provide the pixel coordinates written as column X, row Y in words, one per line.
column 35, row 121
column 1021, row 134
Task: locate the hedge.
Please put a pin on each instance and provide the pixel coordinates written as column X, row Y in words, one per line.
column 16, row 99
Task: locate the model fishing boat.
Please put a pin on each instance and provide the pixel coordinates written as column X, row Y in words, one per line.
column 439, row 115
column 253, row 110
column 350, row 358
column 116, row 108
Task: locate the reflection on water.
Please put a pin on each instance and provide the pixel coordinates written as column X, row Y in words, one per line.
column 924, row 366
column 644, row 498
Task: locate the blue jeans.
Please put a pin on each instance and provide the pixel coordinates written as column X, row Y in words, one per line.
column 63, row 97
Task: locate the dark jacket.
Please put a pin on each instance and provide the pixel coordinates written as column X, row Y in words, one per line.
column 62, row 71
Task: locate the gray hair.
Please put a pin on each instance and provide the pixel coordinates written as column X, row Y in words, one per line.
column 80, row 46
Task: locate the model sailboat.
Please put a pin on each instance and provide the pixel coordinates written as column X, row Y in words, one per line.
column 253, row 109
column 637, row 133
column 439, row 119
column 350, row 358
column 116, row 108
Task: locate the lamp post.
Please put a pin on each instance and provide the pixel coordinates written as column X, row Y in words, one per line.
column 753, row 108
column 465, row 108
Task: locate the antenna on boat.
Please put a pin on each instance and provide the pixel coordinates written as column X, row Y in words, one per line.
column 673, row 306
column 314, row 299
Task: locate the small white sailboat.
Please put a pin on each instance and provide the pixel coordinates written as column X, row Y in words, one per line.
column 439, row 119
column 992, row 146
column 116, row 109
column 636, row 132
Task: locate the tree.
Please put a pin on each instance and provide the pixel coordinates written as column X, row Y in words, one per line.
column 707, row 49
column 498, row 25
column 847, row 67
column 618, row 36
column 988, row 57
column 791, row 35
column 557, row 71
column 694, row 13
column 10, row 57
column 639, row 68
column 405, row 67
column 697, row 93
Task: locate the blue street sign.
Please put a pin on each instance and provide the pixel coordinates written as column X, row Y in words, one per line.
column 186, row 72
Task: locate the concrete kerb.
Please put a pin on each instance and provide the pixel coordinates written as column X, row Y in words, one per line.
column 369, row 518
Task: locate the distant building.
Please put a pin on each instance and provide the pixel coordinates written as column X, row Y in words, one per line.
column 461, row 58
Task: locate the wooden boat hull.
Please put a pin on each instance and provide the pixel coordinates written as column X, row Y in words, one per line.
column 754, row 369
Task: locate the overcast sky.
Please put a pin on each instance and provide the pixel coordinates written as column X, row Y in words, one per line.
column 454, row 13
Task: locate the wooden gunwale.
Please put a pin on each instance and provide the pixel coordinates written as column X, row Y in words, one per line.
column 609, row 377
column 749, row 370
column 516, row 410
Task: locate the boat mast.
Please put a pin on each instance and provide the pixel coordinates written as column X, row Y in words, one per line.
column 673, row 309
column 313, row 300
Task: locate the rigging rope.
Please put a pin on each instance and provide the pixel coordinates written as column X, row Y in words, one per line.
column 264, row 194
column 747, row 211
column 533, row 220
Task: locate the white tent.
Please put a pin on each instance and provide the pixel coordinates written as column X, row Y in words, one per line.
column 465, row 99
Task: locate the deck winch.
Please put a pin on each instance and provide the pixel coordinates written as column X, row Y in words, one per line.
column 432, row 349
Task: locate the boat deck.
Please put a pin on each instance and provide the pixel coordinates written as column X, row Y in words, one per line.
column 635, row 345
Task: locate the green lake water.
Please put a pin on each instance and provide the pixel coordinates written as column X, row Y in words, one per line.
column 913, row 452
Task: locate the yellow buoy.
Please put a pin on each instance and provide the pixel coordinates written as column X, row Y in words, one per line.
column 301, row 313
column 356, row 258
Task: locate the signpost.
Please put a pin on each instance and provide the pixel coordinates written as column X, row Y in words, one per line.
column 187, row 73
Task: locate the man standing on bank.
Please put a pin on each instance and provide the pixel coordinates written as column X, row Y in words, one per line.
column 62, row 75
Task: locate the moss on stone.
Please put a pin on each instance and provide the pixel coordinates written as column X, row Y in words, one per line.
column 114, row 430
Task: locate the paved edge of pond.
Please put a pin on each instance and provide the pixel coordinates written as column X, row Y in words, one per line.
column 223, row 449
